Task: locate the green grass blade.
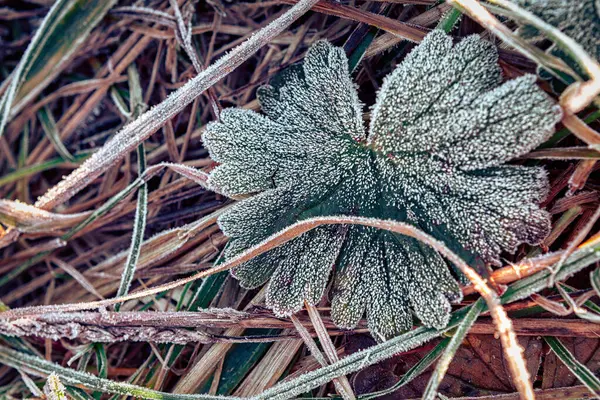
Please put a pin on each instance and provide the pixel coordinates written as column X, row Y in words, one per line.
column 64, row 29
column 449, row 20
column 69, row 376
column 101, row 360
column 139, row 226
column 49, row 127
column 101, row 365
column 136, row 107
column 450, row 351
column 595, row 280
column 241, row 359
column 78, row 394
column 41, row 167
column 582, row 373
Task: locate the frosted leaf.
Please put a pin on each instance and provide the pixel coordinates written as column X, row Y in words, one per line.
column 318, row 95
column 445, row 101
column 579, row 19
column 442, row 127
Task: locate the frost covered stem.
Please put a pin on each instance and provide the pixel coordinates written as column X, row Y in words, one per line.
column 140, row 129
column 185, row 37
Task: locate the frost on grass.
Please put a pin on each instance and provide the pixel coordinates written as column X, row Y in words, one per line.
column 54, row 389
column 579, row 19
column 441, row 129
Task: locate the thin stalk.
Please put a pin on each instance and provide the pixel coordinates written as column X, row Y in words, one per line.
column 513, row 351
column 316, row 353
column 329, row 348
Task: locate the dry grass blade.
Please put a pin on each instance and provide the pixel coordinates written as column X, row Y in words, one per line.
column 400, row 29
column 389, row 40
column 328, row 347
column 341, row 383
column 140, row 129
column 565, row 153
column 272, row 366
column 26, row 218
column 78, row 276
column 342, row 386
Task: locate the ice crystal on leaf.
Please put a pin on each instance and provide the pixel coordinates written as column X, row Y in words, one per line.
column 440, row 131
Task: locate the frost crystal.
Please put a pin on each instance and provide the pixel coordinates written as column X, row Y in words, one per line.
column 579, row 19
column 440, row 131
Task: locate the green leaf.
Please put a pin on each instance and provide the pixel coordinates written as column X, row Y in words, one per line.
column 62, row 32
column 582, row 373
column 440, row 131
